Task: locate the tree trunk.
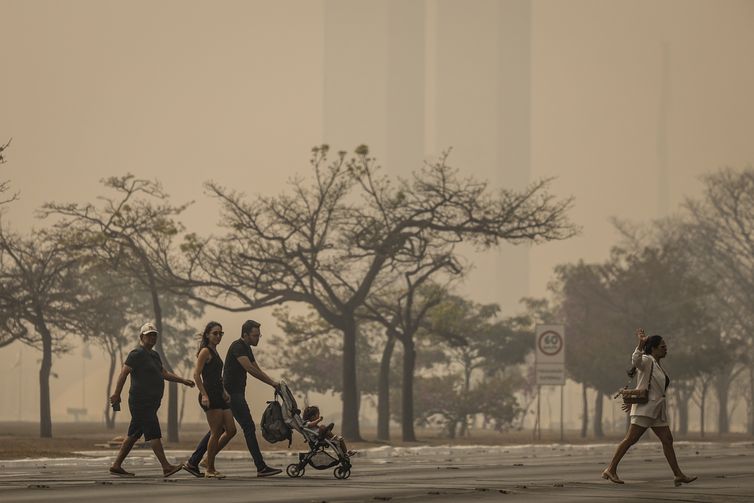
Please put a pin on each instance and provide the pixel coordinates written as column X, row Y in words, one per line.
column 172, row 387
column 452, row 425
column 683, row 416
column 683, row 392
column 350, row 396
column 584, row 411
column 383, row 391
column 750, row 417
column 467, row 378
column 45, row 418
column 463, row 427
column 183, row 405
column 173, row 412
column 722, row 385
column 464, row 424
column 702, row 406
column 407, row 391
column 109, row 412
column 597, row 425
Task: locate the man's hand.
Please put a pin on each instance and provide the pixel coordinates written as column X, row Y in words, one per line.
column 205, row 400
column 626, row 408
column 115, row 398
column 189, row 383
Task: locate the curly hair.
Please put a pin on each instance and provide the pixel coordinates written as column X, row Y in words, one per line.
column 652, row 342
column 311, row 412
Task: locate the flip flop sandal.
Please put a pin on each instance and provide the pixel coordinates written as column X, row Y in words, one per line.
column 120, row 472
column 213, row 475
column 193, row 470
column 173, row 471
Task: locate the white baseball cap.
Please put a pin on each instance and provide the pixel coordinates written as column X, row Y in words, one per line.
column 148, row 328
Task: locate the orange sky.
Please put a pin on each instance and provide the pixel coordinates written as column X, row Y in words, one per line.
column 187, row 91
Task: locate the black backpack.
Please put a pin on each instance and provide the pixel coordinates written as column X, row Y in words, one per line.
column 274, row 428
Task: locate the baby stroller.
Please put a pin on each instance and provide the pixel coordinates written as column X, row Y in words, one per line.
column 323, row 452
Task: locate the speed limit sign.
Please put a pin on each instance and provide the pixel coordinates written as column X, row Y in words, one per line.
column 550, row 354
column 550, row 344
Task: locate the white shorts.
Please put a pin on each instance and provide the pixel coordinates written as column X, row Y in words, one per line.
column 648, row 422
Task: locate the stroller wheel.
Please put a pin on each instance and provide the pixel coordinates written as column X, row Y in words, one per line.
column 342, row 473
column 293, row 470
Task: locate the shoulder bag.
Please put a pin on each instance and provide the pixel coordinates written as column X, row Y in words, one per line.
column 631, row 396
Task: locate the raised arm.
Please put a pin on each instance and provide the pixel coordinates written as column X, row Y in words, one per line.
column 637, row 358
column 252, row 368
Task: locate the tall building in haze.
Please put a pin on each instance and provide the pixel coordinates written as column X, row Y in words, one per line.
column 412, row 78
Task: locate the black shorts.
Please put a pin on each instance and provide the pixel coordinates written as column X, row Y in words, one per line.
column 216, row 401
column 144, row 420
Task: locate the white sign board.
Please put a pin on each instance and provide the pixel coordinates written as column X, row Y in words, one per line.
column 550, row 344
column 550, row 355
column 550, row 374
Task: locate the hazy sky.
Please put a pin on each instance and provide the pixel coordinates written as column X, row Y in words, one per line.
column 186, row 91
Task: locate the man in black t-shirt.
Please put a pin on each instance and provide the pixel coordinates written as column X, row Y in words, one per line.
column 148, row 378
column 238, row 362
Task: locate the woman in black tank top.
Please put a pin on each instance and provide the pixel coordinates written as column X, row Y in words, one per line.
column 212, row 378
column 212, row 396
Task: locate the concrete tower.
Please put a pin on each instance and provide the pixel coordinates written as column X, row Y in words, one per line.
column 411, row 78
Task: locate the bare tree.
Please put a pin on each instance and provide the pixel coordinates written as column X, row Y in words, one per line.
column 721, row 235
column 2, row 149
column 5, row 184
column 401, row 305
column 326, row 242
column 39, row 293
column 109, row 322
column 133, row 231
column 311, row 355
column 700, row 398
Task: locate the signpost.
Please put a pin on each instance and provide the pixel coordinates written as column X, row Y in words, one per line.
column 549, row 366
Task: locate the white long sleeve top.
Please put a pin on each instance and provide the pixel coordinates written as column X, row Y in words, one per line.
column 656, row 407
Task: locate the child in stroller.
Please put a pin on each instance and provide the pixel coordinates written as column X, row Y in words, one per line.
column 325, row 450
column 312, row 418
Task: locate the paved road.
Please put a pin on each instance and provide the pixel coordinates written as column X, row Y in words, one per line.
column 555, row 473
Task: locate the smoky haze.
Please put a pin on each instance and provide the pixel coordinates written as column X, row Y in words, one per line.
column 625, row 103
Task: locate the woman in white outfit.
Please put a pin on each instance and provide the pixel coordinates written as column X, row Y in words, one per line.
column 653, row 414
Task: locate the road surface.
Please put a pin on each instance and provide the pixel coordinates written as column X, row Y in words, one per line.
column 534, row 473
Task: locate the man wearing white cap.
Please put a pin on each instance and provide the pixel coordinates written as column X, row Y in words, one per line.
column 148, row 378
